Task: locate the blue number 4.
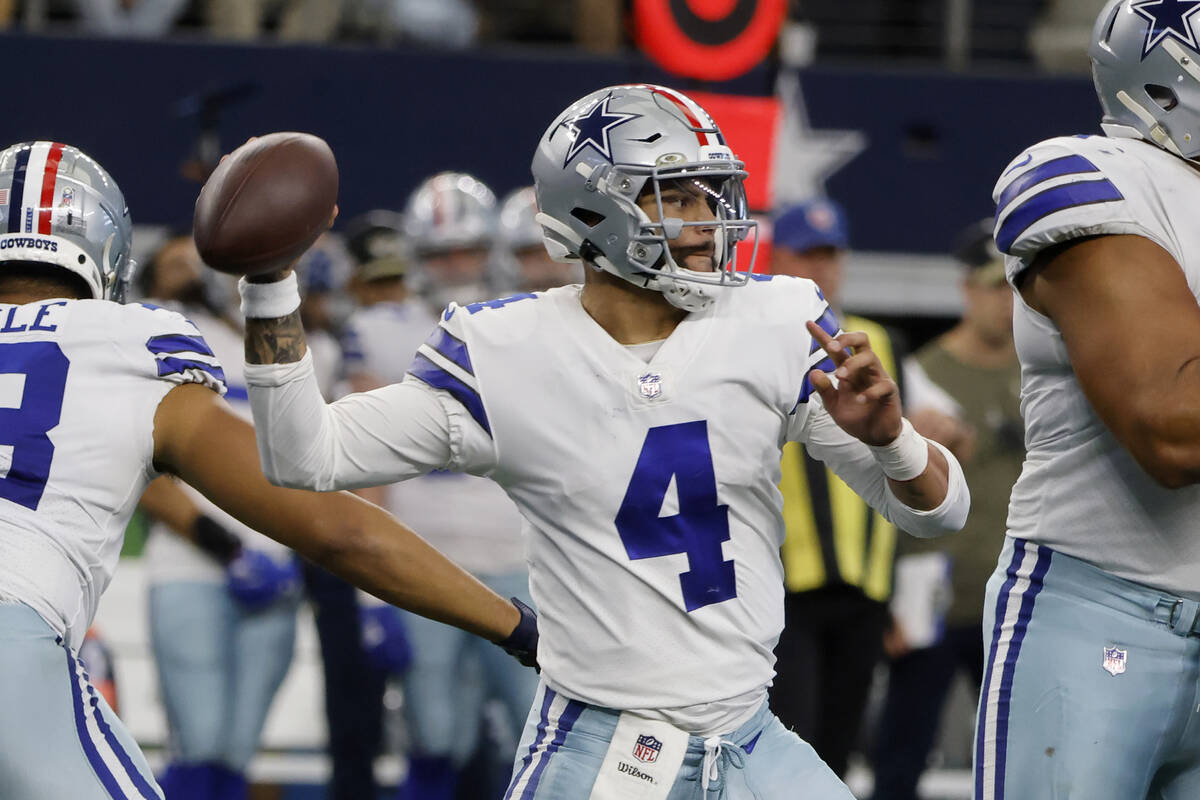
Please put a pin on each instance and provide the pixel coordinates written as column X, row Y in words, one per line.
column 680, row 452
column 24, row 428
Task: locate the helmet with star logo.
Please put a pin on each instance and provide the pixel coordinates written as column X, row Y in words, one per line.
column 603, row 153
column 1144, row 63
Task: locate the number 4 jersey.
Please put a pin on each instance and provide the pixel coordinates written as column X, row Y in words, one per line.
column 649, row 488
column 80, row 381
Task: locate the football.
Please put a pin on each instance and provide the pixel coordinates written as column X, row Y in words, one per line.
column 266, row 203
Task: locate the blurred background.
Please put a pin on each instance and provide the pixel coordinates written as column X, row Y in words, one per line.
column 903, row 112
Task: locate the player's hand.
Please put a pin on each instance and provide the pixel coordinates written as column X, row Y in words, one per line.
column 256, row 580
column 385, row 639
column 522, row 643
column 866, row 401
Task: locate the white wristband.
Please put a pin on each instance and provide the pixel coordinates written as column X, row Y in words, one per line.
column 906, row 457
column 269, row 300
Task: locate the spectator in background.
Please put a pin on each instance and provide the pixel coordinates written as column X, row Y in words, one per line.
column 223, row 598
column 837, row 551
column 973, row 373
column 324, row 272
column 129, row 17
column 299, row 20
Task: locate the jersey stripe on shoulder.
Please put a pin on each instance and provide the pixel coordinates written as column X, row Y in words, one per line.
column 1043, row 204
column 180, row 352
column 450, row 346
column 1055, row 168
column 443, row 363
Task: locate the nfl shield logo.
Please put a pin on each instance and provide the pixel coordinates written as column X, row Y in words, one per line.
column 646, row 749
column 1114, row 660
column 650, row 385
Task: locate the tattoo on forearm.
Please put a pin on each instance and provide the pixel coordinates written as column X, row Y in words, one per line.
column 275, row 341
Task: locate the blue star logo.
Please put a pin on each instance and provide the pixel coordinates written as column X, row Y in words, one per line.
column 592, row 128
column 1168, row 18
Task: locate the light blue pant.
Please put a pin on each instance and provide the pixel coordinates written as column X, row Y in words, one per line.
column 452, row 675
column 1091, row 685
column 565, row 741
column 58, row 738
column 219, row 668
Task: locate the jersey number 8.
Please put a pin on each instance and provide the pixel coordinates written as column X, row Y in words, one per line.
column 33, row 377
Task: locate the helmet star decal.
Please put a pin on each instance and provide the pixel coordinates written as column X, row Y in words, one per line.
column 593, row 126
column 1168, row 18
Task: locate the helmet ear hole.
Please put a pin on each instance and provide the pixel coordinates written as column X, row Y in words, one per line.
column 1162, row 96
column 587, row 216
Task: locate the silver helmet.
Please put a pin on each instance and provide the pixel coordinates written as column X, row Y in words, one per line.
column 449, row 215
column 59, row 207
column 520, row 252
column 518, row 225
column 448, row 211
column 595, row 161
column 1144, row 63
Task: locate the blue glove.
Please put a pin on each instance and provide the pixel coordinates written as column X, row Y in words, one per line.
column 522, row 643
column 256, row 580
column 385, row 639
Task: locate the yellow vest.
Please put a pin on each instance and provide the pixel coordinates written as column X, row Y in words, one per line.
column 832, row 535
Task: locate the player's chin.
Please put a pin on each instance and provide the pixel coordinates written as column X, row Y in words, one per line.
column 699, row 262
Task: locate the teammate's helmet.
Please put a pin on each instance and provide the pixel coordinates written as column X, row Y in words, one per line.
column 595, row 160
column 450, row 211
column 518, row 225
column 59, row 207
column 1144, row 63
column 447, row 216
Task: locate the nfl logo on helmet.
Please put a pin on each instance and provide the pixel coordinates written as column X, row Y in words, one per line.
column 647, row 748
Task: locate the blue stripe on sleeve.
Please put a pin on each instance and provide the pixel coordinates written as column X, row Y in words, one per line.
column 178, row 343
column 451, row 347
column 1043, row 204
column 171, row 365
column 1067, row 165
column 828, row 322
column 16, row 194
column 807, row 388
column 438, row 378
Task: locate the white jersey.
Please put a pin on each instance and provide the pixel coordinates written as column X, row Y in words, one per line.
column 170, row 557
column 80, row 381
column 1080, row 492
column 650, row 488
column 469, row 519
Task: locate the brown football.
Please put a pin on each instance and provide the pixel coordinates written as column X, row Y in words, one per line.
column 266, row 203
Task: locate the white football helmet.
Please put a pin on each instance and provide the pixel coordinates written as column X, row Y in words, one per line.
column 594, row 162
column 59, row 207
column 1144, row 63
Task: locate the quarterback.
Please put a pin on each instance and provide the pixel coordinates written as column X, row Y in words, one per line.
column 1092, row 618
column 637, row 422
column 96, row 400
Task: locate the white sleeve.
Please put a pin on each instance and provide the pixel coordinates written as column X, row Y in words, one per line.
column 366, row 439
column 853, row 462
